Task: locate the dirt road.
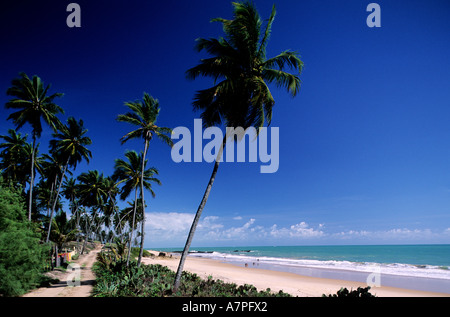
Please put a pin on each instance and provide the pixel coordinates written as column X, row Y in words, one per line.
column 67, row 285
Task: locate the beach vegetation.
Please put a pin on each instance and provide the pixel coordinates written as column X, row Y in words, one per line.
column 22, row 256
column 240, row 95
column 359, row 292
column 121, row 280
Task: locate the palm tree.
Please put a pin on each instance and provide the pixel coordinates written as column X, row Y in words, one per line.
column 110, row 209
column 70, row 145
column 62, row 230
column 34, row 104
column 93, row 194
column 52, row 170
column 240, row 96
column 130, row 174
column 71, row 193
column 13, row 155
column 144, row 115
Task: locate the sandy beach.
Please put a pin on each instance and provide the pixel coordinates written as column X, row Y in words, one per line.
column 294, row 284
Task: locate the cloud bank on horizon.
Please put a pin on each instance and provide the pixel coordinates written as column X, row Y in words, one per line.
column 170, row 229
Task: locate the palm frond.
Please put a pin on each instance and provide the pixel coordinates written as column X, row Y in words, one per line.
column 286, row 58
column 242, row 97
column 263, row 44
column 283, row 80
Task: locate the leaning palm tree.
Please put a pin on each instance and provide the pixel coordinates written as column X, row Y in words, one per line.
column 70, row 144
column 131, row 177
column 143, row 115
column 34, row 104
column 241, row 72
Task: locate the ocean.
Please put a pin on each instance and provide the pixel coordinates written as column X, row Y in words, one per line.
column 420, row 267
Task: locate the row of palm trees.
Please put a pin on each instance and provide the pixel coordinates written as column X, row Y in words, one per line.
column 20, row 160
column 240, row 97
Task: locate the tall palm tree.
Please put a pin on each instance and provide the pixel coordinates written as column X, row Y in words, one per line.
column 143, row 115
column 34, row 104
column 241, row 72
column 70, row 145
column 131, row 176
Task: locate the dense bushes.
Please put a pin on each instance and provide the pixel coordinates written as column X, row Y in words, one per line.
column 21, row 254
column 118, row 280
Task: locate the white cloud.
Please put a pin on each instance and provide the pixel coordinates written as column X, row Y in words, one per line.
column 208, row 223
column 171, row 222
column 392, row 235
column 299, row 230
column 173, row 227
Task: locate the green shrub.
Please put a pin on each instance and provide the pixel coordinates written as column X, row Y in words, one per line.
column 21, row 254
column 135, row 252
column 360, row 292
column 156, row 281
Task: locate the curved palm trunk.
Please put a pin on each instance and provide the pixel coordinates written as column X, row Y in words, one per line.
column 30, row 199
column 197, row 218
column 141, row 250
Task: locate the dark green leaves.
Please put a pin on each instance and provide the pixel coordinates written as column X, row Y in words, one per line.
column 238, row 65
column 143, row 115
column 34, row 104
column 70, row 143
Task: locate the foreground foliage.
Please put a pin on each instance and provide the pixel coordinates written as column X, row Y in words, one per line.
column 344, row 292
column 22, row 257
column 115, row 279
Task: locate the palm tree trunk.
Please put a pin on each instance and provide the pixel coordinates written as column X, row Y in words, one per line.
column 30, row 199
column 78, row 229
column 132, row 227
column 86, row 235
column 51, row 195
column 56, row 199
column 197, row 218
column 141, row 250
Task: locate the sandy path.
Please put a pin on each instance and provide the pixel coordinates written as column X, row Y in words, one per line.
column 81, row 289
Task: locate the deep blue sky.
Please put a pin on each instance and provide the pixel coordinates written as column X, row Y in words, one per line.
column 364, row 147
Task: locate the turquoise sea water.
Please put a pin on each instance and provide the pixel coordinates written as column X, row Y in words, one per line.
column 432, row 255
column 423, row 267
